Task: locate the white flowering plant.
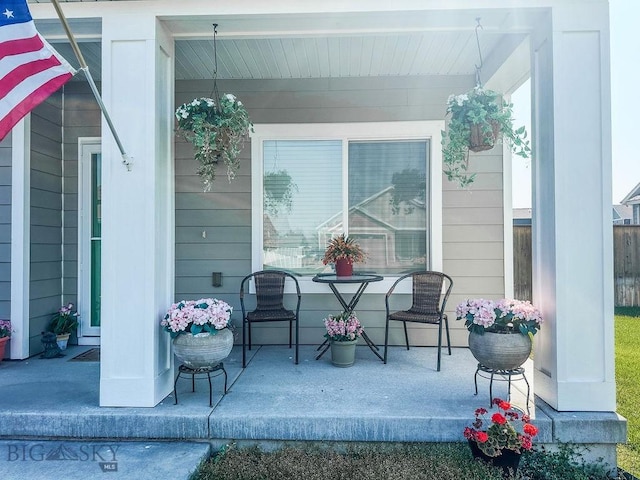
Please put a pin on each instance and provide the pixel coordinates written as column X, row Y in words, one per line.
column 502, row 316
column 343, row 327
column 197, row 316
column 478, row 120
column 217, row 132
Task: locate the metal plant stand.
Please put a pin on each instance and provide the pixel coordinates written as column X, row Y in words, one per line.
column 504, row 376
column 184, row 370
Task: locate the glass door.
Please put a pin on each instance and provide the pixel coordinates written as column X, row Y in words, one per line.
column 89, row 240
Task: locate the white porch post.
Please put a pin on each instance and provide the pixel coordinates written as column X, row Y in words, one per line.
column 137, row 211
column 572, row 223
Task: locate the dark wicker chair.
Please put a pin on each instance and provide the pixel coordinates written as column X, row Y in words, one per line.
column 269, row 305
column 428, row 304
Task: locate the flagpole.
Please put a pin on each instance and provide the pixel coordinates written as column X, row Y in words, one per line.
column 126, row 160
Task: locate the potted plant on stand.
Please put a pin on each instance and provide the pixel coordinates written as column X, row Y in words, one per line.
column 343, row 252
column 479, row 119
column 200, row 330
column 343, row 331
column 63, row 324
column 5, row 336
column 217, row 131
column 508, row 433
column 500, row 332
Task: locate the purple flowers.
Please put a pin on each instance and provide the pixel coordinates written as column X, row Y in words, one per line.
column 197, row 316
column 343, row 327
column 503, row 315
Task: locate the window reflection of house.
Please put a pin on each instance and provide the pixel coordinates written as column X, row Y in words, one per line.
column 394, row 241
column 376, row 195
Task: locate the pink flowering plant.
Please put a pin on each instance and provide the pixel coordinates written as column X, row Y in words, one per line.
column 5, row 328
column 197, row 316
column 502, row 316
column 343, row 327
column 507, row 429
column 65, row 320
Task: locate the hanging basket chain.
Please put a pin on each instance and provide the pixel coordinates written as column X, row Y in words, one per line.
column 478, row 67
column 215, row 94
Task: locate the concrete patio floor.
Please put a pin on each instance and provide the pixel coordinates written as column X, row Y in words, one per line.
column 272, row 399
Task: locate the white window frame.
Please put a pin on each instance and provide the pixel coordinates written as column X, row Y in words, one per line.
column 372, row 131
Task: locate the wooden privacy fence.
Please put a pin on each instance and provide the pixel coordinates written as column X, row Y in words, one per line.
column 626, row 264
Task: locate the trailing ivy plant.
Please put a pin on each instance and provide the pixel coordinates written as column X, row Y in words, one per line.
column 486, row 111
column 217, row 132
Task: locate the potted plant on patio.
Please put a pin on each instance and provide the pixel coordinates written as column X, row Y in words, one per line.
column 500, row 332
column 217, row 131
column 343, row 252
column 479, row 119
column 5, row 336
column 200, row 330
column 502, row 442
column 63, row 324
column 343, row 331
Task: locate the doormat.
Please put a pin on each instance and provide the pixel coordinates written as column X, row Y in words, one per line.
column 91, row 355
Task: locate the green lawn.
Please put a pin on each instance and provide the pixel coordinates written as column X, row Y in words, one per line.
column 628, row 385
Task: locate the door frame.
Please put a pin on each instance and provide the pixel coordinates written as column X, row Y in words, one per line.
column 87, row 146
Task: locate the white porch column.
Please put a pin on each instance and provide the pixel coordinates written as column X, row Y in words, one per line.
column 572, row 223
column 137, row 211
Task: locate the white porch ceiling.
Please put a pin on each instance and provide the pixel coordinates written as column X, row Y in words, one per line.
column 325, row 45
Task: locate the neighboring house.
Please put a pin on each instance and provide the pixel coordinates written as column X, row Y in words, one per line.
column 632, row 200
column 522, row 216
column 347, row 82
column 622, row 215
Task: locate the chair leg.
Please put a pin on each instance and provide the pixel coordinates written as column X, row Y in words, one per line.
column 290, row 332
column 406, row 334
column 297, row 341
column 439, row 343
column 386, row 340
column 249, row 328
column 244, row 344
column 446, row 326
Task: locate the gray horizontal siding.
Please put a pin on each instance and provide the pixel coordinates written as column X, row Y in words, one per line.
column 472, row 218
column 45, row 284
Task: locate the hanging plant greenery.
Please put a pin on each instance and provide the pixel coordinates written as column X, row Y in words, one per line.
column 278, row 191
column 217, row 132
column 479, row 119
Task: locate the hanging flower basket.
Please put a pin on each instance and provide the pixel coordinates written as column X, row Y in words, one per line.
column 479, row 119
column 217, row 131
column 483, row 136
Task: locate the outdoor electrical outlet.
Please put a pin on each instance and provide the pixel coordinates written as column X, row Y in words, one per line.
column 216, row 279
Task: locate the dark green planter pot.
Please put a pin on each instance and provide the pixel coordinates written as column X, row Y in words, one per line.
column 508, row 461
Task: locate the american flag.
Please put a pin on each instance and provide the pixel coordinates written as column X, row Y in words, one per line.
column 30, row 70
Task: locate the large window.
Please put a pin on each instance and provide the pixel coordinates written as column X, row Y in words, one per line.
column 372, row 181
